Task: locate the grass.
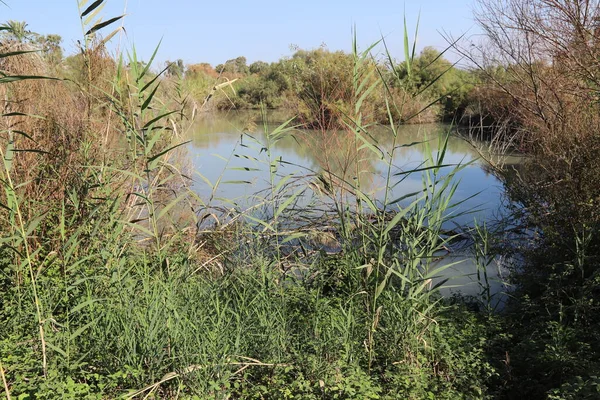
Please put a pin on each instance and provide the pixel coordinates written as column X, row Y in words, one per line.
column 115, row 287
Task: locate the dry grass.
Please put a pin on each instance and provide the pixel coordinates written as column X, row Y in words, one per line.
column 48, row 127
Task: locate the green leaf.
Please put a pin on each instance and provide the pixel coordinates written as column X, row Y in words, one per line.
column 16, row 53
column 167, row 150
column 407, row 58
column 153, row 79
column 16, row 78
column 101, row 25
column 92, row 7
column 150, row 97
column 400, row 215
column 147, row 68
column 286, row 203
column 169, row 206
column 57, row 349
column 141, row 229
column 293, row 236
column 149, row 123
column 83, row 305
column 80, row 330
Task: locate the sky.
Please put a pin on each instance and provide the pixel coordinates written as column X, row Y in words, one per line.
column 215, row 31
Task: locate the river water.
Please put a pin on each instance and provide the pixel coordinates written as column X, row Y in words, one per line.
column 236, row 164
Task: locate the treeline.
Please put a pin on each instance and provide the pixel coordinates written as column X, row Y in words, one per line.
column 316, row 86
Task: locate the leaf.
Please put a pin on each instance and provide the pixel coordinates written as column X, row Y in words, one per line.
column 261, row 222
column 400, row 215
column 285, row 204
column 282, row 182
column 92, row 7
column 83, row 305
column 25, row 135
column 293, row 236
column 366, row 143
column 169, row 206
column 16, row 78
column 150, row 97
column 432, row 167
column 101, row 25
column 16, row 53
column 407, row 58
column 30, row 151
column 154, row 79
column 147, row 67
column 247, row 169
column 167, row 150
column 56, row 349
column 110, row 35
column 157, row 119
column 9, row 156
column 141, row 229
column 82, row 329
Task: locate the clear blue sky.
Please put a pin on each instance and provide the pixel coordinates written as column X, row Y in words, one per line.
column 215, row 31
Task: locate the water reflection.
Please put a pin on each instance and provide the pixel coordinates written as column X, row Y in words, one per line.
column 233, row 167
column 221, row 153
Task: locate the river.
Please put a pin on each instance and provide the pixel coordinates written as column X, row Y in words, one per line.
column 231, row 156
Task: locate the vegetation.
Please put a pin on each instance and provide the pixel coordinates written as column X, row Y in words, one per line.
column 316, row 86
column 118, row 280
column 539, row 69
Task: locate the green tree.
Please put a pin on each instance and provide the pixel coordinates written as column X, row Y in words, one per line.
column 234, row 66
column 17, row 31
column 433, row 78
column 50, row 45
column 175, row 69
column 258, row 67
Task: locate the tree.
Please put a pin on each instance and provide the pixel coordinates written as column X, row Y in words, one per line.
column 205, row 69
column 548, row 51
column 234, row 66
column 175, row 69
column 539, row 62
column 17, row 31
column 50, row 47
column 258, row 67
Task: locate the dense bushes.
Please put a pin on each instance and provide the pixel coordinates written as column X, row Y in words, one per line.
column 316, row 86
column 539, row 74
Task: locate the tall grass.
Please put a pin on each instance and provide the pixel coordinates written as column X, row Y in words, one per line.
column 106, row 294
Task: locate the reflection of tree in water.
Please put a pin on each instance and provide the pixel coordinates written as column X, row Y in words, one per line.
column 338, row 154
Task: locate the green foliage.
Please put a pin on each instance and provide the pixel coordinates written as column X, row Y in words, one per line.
column 234, row 66
column 255, row 90
column 106, row 293
column 175, row 69
column 435, row 78
column 316, row 85
column 17, row 30
column 258, row 67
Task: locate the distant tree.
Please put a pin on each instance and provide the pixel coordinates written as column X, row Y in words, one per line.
column 17, row 31
column 51, row 48
column 258, row 67
column 50, row 45
column 234, row 66
column 175, row 69
column 427, row 68
column 200, row 69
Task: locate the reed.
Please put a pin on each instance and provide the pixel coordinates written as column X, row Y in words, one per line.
column 105, row 293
